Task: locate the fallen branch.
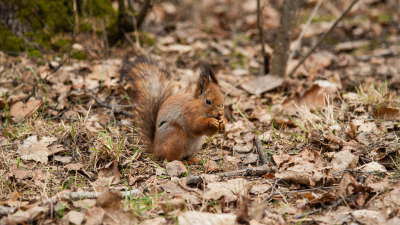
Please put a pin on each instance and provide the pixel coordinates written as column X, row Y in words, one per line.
column 81, row 195
column 340, row 201
column 261, row 170
column 322, row 38
column 356, row 171
column 4, row 211
column 102, row 104
column 261, row 153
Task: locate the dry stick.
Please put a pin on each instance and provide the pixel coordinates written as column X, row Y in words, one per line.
column 261, row 153
column 67, row 196
column 322, row 38
column 272, row 191
column 356, row 171
column 319, row 210
column 261, row 32
column 260, row 170
column 107, row 106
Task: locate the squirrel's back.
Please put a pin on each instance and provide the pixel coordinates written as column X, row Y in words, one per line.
column 150, row 89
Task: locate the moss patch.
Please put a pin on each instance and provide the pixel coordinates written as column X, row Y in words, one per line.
column 48, row 18
column 9, row 41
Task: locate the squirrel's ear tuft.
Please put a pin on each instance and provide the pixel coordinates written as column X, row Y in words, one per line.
column 206, row 75
column 206, row 71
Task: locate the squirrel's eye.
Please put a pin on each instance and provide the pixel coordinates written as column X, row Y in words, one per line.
column 208, row 102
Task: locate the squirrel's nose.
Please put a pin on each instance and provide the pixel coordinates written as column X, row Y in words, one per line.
column 220, row 114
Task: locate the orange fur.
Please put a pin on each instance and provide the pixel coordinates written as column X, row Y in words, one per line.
column 174, row 125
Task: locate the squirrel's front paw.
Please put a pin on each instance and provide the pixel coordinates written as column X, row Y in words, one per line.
column 213, row 123
column 222, row 123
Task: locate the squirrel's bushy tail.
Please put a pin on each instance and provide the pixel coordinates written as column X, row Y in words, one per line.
column 150, row 89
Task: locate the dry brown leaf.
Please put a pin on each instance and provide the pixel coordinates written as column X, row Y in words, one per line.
column 197, row 218
column 110, row 170
column 35, row 150
column 155, row 221
column 84, row 203
column 29, row 215
column 11, row 100
column 21, row 173
column 372, row 167
column 307, row 168
column 211, row 166
column 369, row 216
column 368, row 127
column 176, row 168
column 362, row 198
column 261, row 84
column 385, row 113
column 250, row 158
column 230, row 163
column 348, row 185
column 65, row 160
column 110, row 200
column 173, row 188
column 315, row 96
column 3, row 141
column 344, row 160
column 134, row 179
column 170, row 205
column 75, row 217
column 259, row 189
column 74, row 166
column 94, row 216
column 20, row 110
column 230, row 189
column 379, row 186
column 352, row 132
column 347, row 46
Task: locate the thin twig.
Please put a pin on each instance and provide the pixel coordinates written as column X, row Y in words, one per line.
column 340, row 201
column 107, row 106
column 356, row 171
column 322, row 38
column 304, row 29
column 272, row 191
column 261, row 170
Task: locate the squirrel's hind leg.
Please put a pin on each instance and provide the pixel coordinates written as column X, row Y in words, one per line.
column 171, row 142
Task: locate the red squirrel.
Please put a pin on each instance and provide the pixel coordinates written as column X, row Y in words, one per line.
column 174, row 125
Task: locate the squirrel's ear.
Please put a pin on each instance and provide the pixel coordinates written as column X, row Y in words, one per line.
column 205, row 76
column 202, row 85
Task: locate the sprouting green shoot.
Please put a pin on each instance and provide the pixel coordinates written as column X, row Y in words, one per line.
column 6, row 110
column 73, row 131
column 66, row 186
column 237, row 108
column 127, row 98
column 298, row 124
column 34, row 73
column 120, row 147
column 45, row 100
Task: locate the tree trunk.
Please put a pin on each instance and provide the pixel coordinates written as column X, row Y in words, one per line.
column 125, row 21
column 282, row 43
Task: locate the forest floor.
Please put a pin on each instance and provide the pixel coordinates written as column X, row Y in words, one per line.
column 69, row 152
